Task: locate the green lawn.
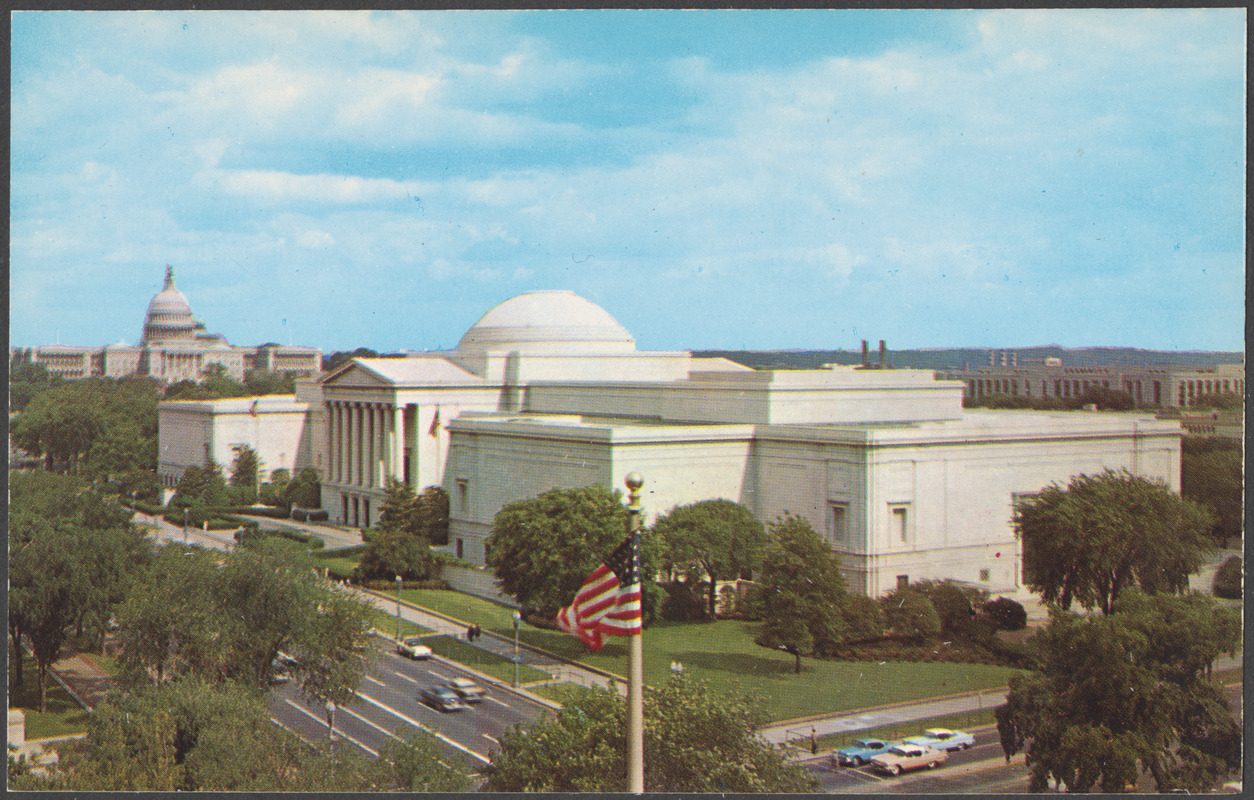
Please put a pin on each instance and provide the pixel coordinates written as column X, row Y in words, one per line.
column 387, row 624
column 64, row 715
column 490, row 663
column 723, row 654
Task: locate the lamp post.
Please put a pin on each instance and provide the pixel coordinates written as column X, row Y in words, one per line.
column 517, row 619
column 184, row 526
column 398, row 608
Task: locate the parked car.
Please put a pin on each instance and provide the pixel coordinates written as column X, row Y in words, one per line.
column 281, row 668
column 901, row 757
column 467, row 690
column 943, row 739
column 413, row 647
column 443, row 699
column 860, row 752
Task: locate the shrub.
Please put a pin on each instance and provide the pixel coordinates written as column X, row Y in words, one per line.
column 681, row 604
column 1006, row 614
column 911, row 615
column 1228, row 579
column 864, row 619
column 952, row 603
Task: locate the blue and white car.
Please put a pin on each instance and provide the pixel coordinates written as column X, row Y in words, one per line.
column 943, row 739
column 860, row 752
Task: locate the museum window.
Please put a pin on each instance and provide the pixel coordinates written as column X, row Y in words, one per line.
column 900, row 524
column 460, row 548
column 984, row 576
column 903, row 583
column 839, row 535
column 463, row 495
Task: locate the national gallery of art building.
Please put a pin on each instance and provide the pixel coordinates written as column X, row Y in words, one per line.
column 547, row 390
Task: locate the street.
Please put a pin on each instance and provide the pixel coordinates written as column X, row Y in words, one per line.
column 387, row 706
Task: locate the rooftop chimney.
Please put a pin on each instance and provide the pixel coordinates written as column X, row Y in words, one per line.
column 881, row 353
column 865, row 362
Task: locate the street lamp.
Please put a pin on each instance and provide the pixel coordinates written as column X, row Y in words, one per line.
column 330, row 720
column 398, row 608
column 184, row 526
column 517, row 619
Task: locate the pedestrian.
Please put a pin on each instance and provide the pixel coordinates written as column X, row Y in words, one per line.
column 478, row 632
column 814, row 742
column 470, row 633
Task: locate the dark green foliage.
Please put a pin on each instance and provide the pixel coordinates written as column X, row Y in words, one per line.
column 719, row 538
column 1220, row 401
column 681, row 604
column 202, row 487
column 542, row 549
column 27, row 379
column 263, row 382
column 1015, row 401
column 910, row 615
column 864, row 618
column 1115, row 695
column 1006, row 614
column 335, row 360
column 244, row 469
column 1212, row 474
column 801, row 594
column 304, row 490
column 1105, row 399
column 94, row 427
column 694, row 741
column 955, row 605
column 1228, row 579
column 1103, row 533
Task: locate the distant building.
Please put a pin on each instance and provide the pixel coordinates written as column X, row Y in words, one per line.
column 1157, row 386
column 174, row 346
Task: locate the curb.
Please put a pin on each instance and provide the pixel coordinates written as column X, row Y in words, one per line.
column 788, row 723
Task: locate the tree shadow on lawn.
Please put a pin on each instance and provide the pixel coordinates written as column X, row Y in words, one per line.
column 738, row 663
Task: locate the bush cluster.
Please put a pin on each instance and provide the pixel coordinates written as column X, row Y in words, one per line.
column 682, row 604
column 1006, row 614
column 1228, row 579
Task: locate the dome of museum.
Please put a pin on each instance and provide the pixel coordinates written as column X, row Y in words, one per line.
column 169, row 314
column 558, row 322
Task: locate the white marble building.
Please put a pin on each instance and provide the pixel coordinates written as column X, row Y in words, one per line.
column 548, row 390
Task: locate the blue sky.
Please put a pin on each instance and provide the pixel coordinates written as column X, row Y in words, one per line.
column 713, row 179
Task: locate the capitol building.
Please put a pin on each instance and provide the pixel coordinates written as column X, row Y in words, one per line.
column 174, row 346
column 547, row 390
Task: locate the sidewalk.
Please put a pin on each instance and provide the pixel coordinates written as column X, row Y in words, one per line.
column 864, row 719
column 83, row 678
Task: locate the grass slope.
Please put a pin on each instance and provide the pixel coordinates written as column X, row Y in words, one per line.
column 723, row 654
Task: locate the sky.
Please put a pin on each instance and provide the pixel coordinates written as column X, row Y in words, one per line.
column 713, row 179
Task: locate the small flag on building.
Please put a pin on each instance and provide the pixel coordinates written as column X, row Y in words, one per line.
column 434, row 430
column 609, row 600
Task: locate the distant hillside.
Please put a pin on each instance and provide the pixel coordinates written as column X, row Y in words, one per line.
column 962, row 357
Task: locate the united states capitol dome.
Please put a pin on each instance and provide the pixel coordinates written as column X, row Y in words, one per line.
column 169, row 314
column 557, row 322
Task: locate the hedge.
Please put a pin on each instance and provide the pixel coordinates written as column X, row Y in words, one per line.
column 151, row 509
column 1227, row 582
column 255, row 511
column 381, row 585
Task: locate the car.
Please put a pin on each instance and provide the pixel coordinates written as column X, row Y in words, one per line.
column 413, row 647
column 443, row 699
column 901, row 757
column 466, row 689
column 943, row 739
column 860, row 752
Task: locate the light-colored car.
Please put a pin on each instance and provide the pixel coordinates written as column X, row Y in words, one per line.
column 412, row 647
column 901, row 757
column 860, row 752
column 943, row 739
column 467, row 689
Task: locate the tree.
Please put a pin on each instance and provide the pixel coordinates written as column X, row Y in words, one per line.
column 955, row 606
column 396, row 553
column 229, row 620
column 201, row 486
column 244, row 469
column 1103, row 533
column 801, row 593
column 1212, row 474
column 431, row 515
column 1106, row 399
column 263, row 382
column 305, row 490
column 335, row 360
column 1006, row 614
column 1114, row 695
column 718, row 537
column 414, row 765
column 543, row 548
column 399, row 509
column 27, row 379
column 694, row 741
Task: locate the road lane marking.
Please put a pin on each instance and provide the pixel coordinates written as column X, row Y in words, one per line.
column 438, row 675
column 496, row 742
column 406, row 677
column 374, row 752
column 373, row 725
column 372, row 680
column 418, row 724
column 498, row 702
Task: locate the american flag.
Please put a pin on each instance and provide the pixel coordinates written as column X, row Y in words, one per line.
column 609, row 600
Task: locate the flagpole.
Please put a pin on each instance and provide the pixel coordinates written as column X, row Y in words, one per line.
column 635, row 666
